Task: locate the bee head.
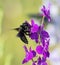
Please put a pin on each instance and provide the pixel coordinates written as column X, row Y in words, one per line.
column 26, row 26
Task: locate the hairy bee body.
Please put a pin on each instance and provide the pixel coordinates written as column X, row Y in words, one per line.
column 23, row 30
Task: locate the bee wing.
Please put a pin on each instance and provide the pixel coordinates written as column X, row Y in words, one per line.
column 22, row 37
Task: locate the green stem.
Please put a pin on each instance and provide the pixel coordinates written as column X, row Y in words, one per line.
column 39, row 39
column 43, row 20
column 41, row 23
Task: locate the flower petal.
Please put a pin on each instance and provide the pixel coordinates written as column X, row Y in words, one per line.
column 44, row 63
column 34, row 36
column 32, row 22
column 24, row 61
column 34, row 27
column 30, row 54
column 39, row 61
column 46, row 54
column 33, row 63
column 39, row 49
column 46, row 12
column 34, row 53
column 44, row 34
column 25, row 48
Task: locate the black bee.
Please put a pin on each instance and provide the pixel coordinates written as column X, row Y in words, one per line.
column 23, row 30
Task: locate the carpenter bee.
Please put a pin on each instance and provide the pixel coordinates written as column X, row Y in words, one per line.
column 23, row 30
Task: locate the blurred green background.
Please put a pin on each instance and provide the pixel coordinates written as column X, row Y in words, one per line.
column 12, row 14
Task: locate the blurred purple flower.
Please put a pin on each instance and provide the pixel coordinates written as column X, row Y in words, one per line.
column 30, row 54
column 39, row 61
column 39, row 49
column 44, row 37
column 34, row 63
column 34, row 27
column 46, row 12
column 34, row 36
column 44, row 63
column 46, row 47
column 43, row 59
column 46, row 54
column 36, row 31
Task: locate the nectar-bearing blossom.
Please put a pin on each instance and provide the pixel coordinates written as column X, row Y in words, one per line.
column 44, row 40
column 34, row 63
column 37, row 31
column 41, row 50
column 30, row 54
column 46, row 12
column 34, row 31
column 39, row 61
column 34, row 27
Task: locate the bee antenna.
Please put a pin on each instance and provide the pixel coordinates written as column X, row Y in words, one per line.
column 17, row 29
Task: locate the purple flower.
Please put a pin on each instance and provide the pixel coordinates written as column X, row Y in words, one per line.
column 34, row 36
column 34, row 27
column 36, row 31
column 44, row 34
column 46, row 12
column 46, row 54
column 43, row 59
column 39, row 61
column 34, row 63
column 39, row 49
column 46, row 47
column 43, row 63
column 44, row 37
column 30, row 54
